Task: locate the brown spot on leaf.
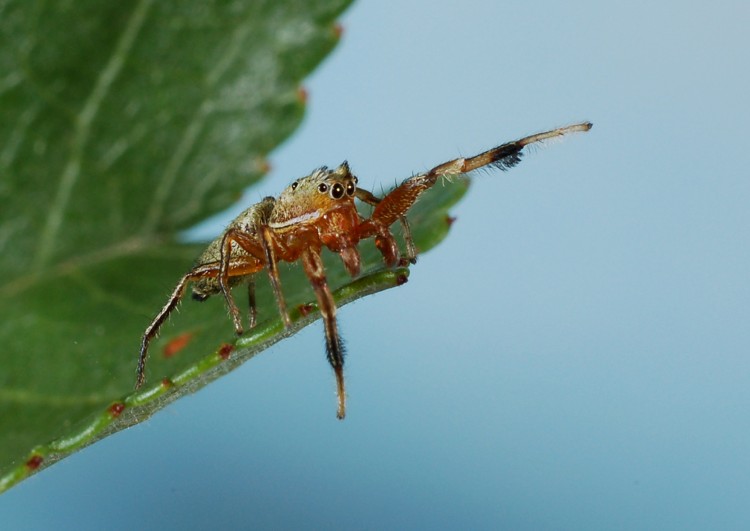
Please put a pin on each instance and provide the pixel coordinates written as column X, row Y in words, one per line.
column 34, row 462
column 306, row 309
column 225, row 350
column 115, row 409
column 262, row 165
column 177, row 344
column 302, row 95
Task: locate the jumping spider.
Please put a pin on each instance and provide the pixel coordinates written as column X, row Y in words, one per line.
column 314, row 212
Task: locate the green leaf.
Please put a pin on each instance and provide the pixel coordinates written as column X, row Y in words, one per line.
column 123, row 123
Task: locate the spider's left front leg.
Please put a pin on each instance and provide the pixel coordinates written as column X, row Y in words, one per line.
column 399, row 200
column 313, row 266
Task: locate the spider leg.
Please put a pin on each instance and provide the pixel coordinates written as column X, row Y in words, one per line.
column 259, row 254
column 313, row 266
column 253, row 308
column 151, row 332
column 226, row 254
column 273, row 273
column 399, row 200
column 411, row 248
column 504, row 156
column 371, row 199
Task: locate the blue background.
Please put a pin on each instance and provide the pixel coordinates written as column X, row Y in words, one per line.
column 575, row 355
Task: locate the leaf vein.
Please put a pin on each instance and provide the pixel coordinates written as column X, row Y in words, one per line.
column 24, row 396
column 84, row 119
column 9, row 82
column 190, row 136
column 9, row 152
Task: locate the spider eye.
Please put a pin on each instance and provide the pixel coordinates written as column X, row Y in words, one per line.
column 350, row 188
column 337, row 192
column 294, row 185
column 322, row 188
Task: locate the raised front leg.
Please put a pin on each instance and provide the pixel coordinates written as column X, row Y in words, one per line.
column 394, row 205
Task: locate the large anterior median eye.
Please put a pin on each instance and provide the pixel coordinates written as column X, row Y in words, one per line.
column 337, row 192
column 350, row 188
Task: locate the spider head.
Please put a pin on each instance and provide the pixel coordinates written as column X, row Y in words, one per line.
column 315, row 195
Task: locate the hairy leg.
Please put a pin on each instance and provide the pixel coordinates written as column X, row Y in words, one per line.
column 313, row 266
column 394, row 205
column 371, row 199
column 273, row 273
column 251, row 303
column 152, row 330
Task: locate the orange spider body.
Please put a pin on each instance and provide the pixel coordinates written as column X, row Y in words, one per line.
column 314, row 212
